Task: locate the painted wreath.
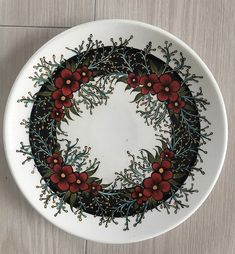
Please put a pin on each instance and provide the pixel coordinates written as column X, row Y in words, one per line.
column 154, row 180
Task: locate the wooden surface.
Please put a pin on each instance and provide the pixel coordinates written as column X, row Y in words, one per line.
column 208, row 26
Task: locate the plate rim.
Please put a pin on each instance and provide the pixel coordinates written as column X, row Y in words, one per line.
column 194, row 55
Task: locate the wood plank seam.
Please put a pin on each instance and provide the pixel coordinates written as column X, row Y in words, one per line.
column 50, row 27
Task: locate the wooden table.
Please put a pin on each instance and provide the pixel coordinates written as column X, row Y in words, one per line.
column 208, row 26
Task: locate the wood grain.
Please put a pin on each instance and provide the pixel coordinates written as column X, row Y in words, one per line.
column 23, row 230
column 49, row 13
column 208, row 27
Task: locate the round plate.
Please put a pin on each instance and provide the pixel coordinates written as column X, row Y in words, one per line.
column 115, row 131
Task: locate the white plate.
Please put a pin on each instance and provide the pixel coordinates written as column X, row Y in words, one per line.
column 174, row 94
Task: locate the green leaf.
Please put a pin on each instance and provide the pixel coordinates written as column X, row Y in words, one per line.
column 138, row 89
column 57, row 149
column 94, row 179
column 137, row 97
column 67, row 195
column 51, row 88
column 74, row 111
column 122, row 79
column 63, row 120
column 92, row 172
column 86, row 62
column 153, row 67
column 59, row 126
column 67, row 65
column 152, row 203
column 99, row 181
column 72, row 200
column 150, row 156
column 47, row 174
column 127, row 88
column 73, row 66
column 178, row 175
column 159, row 149
column 174, row 182
column 182, row 91
column 45, row 93
column 66, row 111
column 157, row 156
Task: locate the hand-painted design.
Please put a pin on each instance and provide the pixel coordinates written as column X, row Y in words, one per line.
column 153, row 180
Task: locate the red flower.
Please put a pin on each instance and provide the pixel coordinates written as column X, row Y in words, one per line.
column 154, row 187
column 163, row 168
column 85, row 74
column 166, row 154
column 138, row 195
column 133, row 80
column 79, row 183
column 61, row 100
column 57, row 114
column 54, row 159
column 167, row 88
column 68, row 81
column 176, row 106
column 149, row 84
column 94, row 188
column 63, row 176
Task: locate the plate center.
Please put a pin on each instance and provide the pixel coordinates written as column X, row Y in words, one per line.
column 111, row 131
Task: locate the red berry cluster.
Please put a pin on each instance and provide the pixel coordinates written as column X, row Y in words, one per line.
column 66, row 179
column 66, row 84
column 158, row 183
column 166, row 88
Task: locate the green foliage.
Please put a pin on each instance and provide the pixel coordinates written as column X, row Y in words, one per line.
column 73, row 198
column 137, row 97
column 122, row 79
column 97, row 92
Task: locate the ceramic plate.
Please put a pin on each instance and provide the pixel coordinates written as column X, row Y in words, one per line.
column 115, row 131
